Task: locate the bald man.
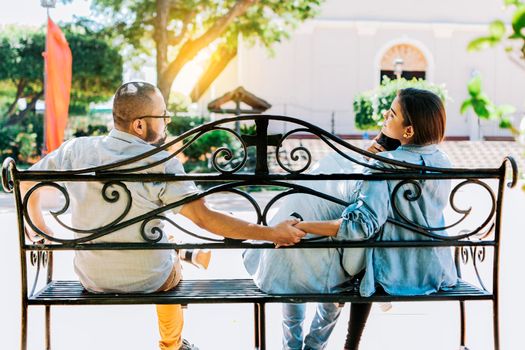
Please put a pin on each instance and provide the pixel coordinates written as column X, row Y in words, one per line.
column 140, row 119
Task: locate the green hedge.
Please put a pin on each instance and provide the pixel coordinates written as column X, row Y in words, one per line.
column 199, row 153
column 369, row 106
column 24, row 142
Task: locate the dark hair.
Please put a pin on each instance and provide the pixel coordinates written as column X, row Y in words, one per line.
column 423, row 110
column 132, row 100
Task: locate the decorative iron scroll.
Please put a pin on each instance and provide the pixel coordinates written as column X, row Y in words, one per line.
column 228, row 154
column 293, row 153
column 331, row 140
column 7, row 167
column 514, row 167
column 477, row 255
column 412, row 196
column 39, row 260
column 153, row 233
column 91, row 234
column 115, row 190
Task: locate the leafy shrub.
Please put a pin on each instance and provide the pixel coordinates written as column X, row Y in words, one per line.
column 22, row 142
column 92, row 130
column 369, row 106
column 180, row 124
column 484, row 108
column 199, row 153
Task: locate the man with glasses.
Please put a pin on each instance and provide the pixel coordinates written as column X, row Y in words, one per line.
column 140, row 120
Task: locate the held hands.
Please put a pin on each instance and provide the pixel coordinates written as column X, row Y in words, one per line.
column 286, row 234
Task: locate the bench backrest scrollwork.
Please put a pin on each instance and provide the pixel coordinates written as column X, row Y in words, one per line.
column 233, row 176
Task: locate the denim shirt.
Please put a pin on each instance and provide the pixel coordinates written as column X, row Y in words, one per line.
column 402, row 271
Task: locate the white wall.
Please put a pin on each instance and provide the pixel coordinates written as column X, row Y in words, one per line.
column 462, row 11
column 331, row 59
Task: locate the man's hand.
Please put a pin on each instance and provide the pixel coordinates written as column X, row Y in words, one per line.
column 35, row 213
column 286, row 234
column 37, row 238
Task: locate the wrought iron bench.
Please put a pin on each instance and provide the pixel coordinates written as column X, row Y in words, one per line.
column 471, row 246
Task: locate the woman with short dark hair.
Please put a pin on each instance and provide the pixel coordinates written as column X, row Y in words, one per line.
column 417, row 119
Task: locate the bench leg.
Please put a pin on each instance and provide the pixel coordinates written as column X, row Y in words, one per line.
column 462, row 339
column 23, row 327
column 48, row 327
column 260, row 326
column 495, row 310
column 256, row 326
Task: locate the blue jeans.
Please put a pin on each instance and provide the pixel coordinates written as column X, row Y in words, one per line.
column 322, row 325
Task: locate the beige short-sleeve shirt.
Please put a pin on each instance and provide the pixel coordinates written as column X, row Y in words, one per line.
column 120, row 271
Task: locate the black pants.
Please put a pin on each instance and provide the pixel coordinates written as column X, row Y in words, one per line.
column 358, row 315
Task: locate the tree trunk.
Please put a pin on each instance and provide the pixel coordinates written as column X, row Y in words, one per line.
column 19, row 92
column 17, row 118
column 218, row 62
column 192, row 47
column 161, row 43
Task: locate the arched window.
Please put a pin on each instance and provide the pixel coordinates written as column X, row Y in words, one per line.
column 403, row 60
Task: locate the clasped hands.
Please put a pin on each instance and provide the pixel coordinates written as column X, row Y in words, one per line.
column 286, row 233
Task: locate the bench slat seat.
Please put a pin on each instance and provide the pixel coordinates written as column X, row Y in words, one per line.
column 227, row 291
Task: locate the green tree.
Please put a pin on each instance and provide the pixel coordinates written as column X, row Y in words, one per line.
column 179, row 30
column 97, row 71
column 512, row 38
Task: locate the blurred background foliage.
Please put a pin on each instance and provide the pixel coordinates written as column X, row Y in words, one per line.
column 369, row 106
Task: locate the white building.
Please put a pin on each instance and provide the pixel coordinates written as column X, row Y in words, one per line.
column 330, row 59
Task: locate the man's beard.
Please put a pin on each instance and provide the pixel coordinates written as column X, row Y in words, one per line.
column 156, row 139
column 160, row 141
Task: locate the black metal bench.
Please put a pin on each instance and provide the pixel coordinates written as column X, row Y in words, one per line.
column 471, row 246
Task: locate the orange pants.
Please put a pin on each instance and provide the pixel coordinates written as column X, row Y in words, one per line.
column 170, row 317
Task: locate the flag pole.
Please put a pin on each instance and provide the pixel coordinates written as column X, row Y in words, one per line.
column 47, row 4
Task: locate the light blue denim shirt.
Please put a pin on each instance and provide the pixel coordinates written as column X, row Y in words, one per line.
column 402, row 271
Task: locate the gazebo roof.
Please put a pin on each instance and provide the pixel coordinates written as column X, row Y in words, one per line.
column 239, row 95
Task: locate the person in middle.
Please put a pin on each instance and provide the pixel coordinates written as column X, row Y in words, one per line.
column 417, row 119
column 320, row 270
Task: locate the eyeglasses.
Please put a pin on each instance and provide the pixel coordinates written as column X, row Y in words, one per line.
column 166, row 116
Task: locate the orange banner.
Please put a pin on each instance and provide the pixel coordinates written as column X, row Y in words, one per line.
column 58, row 70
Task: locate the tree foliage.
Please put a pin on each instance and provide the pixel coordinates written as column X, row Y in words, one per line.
column 97, row 70
column 513, row 39
column 177, row 31
column 484, row 108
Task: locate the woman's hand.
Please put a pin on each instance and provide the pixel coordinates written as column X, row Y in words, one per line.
column 376, row 147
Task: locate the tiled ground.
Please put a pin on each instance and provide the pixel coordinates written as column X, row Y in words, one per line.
column 463, row 154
